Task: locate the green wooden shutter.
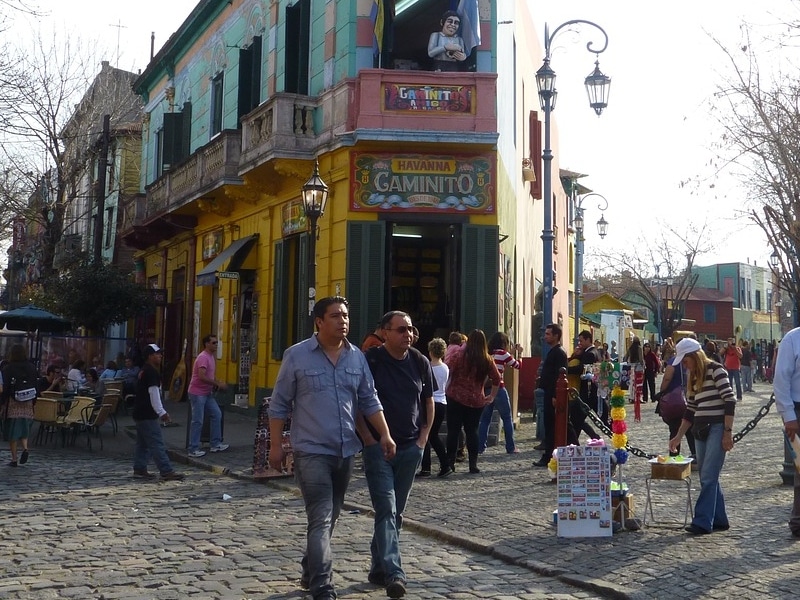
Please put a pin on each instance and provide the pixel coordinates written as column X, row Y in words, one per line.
column 280, row 301
column 300, row 322
column 365, row 286
column 479, row 272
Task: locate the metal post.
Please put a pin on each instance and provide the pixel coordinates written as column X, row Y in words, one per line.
column 547, row 95
column 578, row 280
column 547, row 231
column 312, row 271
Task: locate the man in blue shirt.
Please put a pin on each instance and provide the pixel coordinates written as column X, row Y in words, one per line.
column 404, row 380
column 786, row 383
column 323, row 383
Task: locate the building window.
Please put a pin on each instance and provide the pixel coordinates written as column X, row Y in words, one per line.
column 249, row 78
column 709, row 313
column 109, row 228
column 216, row 103
column 159, row 154
column 758, row 299
column 298, row 35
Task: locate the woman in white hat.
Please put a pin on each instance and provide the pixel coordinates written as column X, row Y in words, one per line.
column 709, row 412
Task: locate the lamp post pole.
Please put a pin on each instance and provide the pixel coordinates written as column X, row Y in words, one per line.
column 597, row 86
column 602, row 230
column 315, row 196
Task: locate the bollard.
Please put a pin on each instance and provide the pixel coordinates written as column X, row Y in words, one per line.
column 562, row 409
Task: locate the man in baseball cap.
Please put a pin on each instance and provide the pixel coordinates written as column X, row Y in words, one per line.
column 148, row 412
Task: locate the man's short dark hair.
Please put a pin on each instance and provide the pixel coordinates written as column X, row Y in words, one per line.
column 208, row 338
column 321, row 306
column 387, row 318
column 52, row 367
column 585, row 334
column 555, row 329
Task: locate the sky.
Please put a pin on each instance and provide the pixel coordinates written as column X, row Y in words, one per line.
column 655, row 133
column 653, row 136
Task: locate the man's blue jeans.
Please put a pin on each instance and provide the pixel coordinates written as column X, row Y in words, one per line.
column 709, row 510
column 323, row 481
column 503, row 405
column 389, row 484
column 201, row 406
column 149, row 441
column 736, row 376
column 747, row 378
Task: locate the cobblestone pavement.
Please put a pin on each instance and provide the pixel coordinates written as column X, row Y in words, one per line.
column 496, row 525
column 76, row 525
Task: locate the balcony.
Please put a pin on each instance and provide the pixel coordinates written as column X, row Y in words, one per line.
column 414, row 106
column 281, row 127
column 203, row 174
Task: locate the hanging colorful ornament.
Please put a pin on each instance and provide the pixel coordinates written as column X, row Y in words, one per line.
column 619, row 438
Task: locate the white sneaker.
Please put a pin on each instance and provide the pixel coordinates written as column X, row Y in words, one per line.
column 197, row 453
column 220, row 448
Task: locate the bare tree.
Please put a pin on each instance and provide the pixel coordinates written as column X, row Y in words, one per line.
column 760, row 118
column 52, row 119
column 657, row 274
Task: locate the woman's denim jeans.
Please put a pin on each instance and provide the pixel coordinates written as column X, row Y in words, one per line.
column 503, row 405
column 709, row 510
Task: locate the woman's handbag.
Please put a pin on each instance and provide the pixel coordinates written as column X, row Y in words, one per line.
column 672, row 405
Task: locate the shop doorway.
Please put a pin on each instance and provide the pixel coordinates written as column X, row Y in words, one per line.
column 423, row 281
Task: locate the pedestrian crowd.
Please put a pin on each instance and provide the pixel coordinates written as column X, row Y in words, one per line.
column 389, row 401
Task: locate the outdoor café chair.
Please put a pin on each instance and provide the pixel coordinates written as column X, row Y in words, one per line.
column 45, row 412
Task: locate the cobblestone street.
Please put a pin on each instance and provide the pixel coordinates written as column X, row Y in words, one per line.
column 76, row 524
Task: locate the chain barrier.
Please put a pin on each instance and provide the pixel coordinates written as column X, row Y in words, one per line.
column 596, row 420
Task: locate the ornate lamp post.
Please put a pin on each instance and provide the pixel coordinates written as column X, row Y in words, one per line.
column 315, row 196
column 597, row 87
column 602, row 231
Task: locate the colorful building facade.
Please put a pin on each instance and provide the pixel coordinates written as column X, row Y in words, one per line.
column 428, row 210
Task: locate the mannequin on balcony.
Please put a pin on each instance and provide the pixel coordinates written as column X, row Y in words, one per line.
column 445, row 47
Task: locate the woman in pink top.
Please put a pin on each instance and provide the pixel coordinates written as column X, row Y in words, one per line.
column 469, row 365
column 498, row 348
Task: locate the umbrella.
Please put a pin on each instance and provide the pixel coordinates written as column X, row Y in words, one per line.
column 32, row 318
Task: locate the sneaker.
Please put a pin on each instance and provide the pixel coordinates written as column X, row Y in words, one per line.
column 143, row 474
column 197, row 453
column 24, row 458
column 220, row 448
column 396, row 588
column 172, row 476
column 423, row 474
column 13, row 463
column 377, row 579
column 445, row 471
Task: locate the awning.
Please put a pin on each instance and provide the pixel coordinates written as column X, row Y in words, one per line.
column 236, row 252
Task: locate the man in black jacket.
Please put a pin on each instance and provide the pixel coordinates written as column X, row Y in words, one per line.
column 551, row 367
column 587, row 354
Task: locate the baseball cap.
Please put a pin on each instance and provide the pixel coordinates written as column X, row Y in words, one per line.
column 684, row 347
column 151, row 349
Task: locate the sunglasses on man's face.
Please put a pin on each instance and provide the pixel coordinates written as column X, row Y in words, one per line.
column 403, row 329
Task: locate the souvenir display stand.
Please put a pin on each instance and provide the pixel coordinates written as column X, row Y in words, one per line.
column 673, row 468
column 584, row 491
column 261, row 443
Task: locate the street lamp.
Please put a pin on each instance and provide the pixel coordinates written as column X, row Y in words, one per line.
column 597, row 87
column 315, row 196
column 602, row 230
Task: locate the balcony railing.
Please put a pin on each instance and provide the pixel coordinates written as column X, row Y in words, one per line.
column 209, row 168
column 282, row 127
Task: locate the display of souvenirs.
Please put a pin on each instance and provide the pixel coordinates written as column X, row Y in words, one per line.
column 584, row 491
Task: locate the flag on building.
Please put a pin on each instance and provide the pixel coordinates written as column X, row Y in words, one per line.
column 470, row 23
column 378, row 17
